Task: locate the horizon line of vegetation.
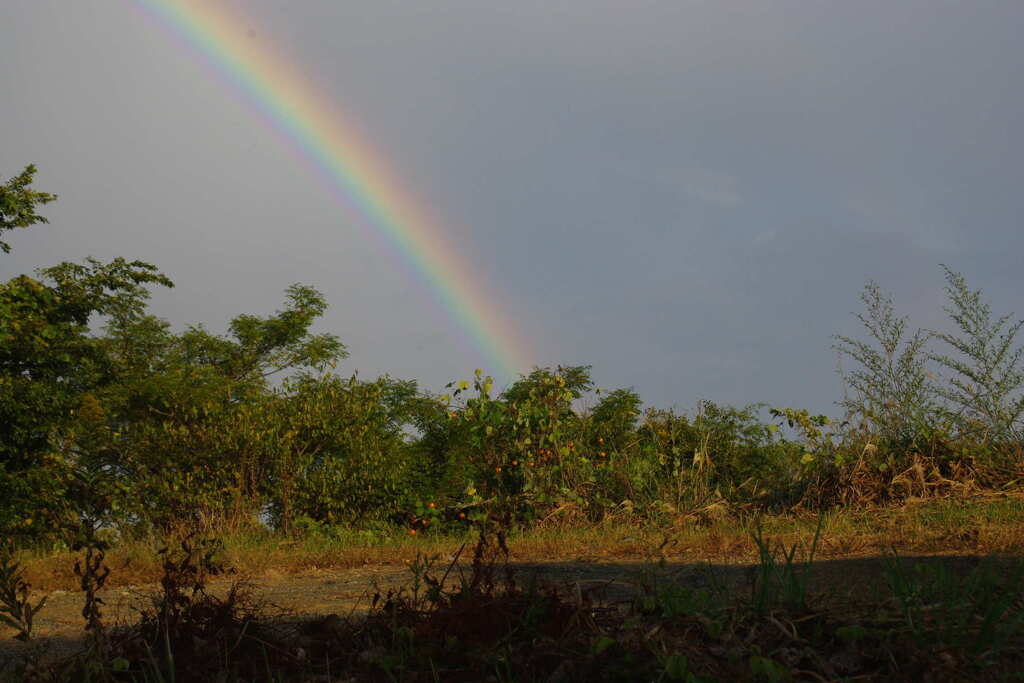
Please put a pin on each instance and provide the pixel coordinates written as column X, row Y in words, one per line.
column 135, row 428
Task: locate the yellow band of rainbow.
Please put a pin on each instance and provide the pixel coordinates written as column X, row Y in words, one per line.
column 354, row 173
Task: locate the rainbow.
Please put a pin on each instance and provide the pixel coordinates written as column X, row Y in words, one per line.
column 352, row 171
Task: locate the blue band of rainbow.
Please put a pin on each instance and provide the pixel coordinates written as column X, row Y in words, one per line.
column 356, row 176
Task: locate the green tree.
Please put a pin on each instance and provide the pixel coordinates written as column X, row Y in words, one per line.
column 18, row 202
column 614, row 418
column 575, row 378
column 356, row 467
column 193, row 422
column 50, row 363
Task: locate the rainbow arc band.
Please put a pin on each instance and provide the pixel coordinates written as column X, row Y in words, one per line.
column 352, row 171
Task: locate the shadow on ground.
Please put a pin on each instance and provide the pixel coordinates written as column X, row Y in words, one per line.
column 348, row 592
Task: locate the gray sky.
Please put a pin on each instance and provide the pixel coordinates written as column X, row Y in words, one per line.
column 687, row 195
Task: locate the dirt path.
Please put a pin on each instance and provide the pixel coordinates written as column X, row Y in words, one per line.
column 317, row 592
column 349, row 591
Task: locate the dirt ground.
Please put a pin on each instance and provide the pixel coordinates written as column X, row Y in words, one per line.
column 320, row 592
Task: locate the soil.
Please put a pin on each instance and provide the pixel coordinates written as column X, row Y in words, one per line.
column 344, row 592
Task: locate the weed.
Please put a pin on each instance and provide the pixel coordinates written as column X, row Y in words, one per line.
column 892, row 389
column 781, row 585
column 92, row 574
column 978, row 614
column 945, row 627
column 16, row 610
column 661, row 593
column 985, row 388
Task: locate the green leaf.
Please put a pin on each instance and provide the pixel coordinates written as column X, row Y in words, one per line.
column 677, row 667
column 851, row 634
column 601, row 644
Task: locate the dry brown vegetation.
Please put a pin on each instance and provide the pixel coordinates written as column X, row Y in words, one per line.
column 981, row 525
column 712, row 596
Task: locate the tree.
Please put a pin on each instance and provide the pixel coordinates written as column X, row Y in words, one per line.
column 50, row 363
column 18, row 204
column 193, row 422
column 348, row 462
column 575, row 379
column 614, row 418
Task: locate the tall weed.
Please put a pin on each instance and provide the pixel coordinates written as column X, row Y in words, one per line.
column 984, row 389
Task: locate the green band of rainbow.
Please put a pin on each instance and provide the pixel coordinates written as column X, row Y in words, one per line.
column 355, row 174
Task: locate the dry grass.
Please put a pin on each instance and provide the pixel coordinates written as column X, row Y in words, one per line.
column 977, row 525
column 863, row 609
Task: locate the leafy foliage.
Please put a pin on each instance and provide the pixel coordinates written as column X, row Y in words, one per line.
column 18, row 204
column 17, row 611
column 137, row 427
column 49, row 365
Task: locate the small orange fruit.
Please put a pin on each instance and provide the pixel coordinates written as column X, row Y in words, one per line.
column 431, row 505
column 412, row 532
column 600, row 439
column 462, row 515
column 498, row 470
column 515, row 462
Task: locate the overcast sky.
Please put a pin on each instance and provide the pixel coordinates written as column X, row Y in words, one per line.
column 688, row 196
